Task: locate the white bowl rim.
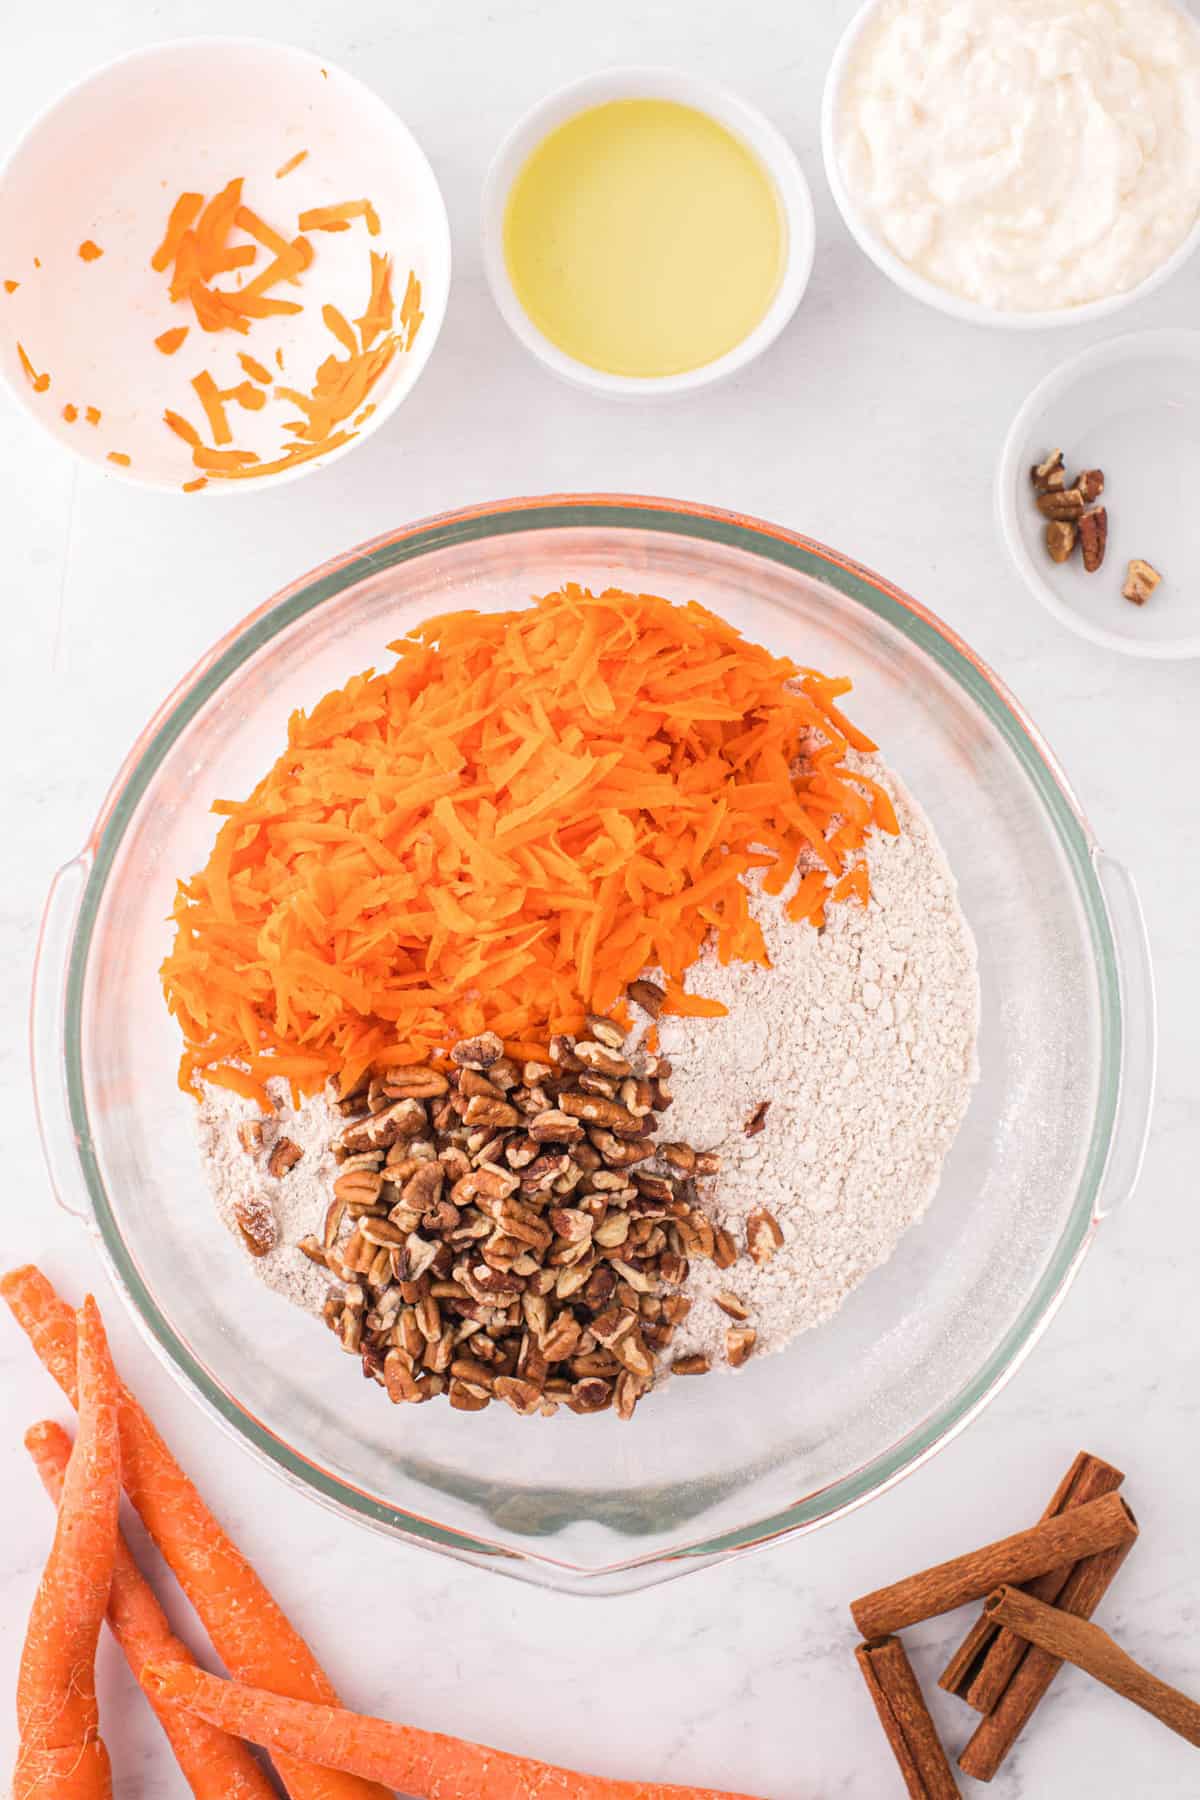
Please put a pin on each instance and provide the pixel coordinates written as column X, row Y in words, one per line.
column 432, row 323
column 746, row 121
column 972, row 312
column 1013, row 461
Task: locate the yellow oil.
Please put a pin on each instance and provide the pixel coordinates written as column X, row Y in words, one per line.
column 643, row 238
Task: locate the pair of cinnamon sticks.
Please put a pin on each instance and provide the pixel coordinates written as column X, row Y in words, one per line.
column 1041, row 1587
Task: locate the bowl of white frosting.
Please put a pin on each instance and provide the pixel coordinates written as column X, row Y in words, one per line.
column 1020, row 163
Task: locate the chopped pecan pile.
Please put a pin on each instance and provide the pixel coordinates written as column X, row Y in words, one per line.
column 516, row 1231
column 1071, row 512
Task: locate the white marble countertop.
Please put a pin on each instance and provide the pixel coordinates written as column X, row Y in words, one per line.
column 873, row 425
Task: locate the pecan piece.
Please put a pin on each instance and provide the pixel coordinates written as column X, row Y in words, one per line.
column 1066, row 505
column 1093, row 538
column 1090, row 485
column 605, row 1031
column 477, row 1052
column 758, row 1119
column 739, row 1342
column 283, row 1157
column 250, row 1135
column 1060, row 539
column 1049, row 474
column 415, row 1081
column 648, row 995
column 731, row 1305
column 256, row 1223
column 690, row 1365
column 763, row 1236
column 1140, row 581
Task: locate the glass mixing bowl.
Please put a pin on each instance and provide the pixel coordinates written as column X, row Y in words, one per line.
column 1053, row 1138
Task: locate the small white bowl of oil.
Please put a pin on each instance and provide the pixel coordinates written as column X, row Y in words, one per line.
column 646, row 232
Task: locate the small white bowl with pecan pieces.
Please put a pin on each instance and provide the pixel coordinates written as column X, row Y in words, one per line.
column 1096, row 494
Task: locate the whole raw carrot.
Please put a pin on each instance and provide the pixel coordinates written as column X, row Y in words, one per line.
column 61, row 1755
column 215, row 1766
column 425, row 1764
column 249, row 1630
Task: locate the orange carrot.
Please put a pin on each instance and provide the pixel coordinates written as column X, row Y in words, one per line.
column 254, row 368
column 184, row 214
column 215, row 1766
column 530, row 806
column 337, row 218
column 209, row 397
column 293, row 162
column 93, row 415
column 61, row 1754
column 169, row 341
column 183, row 428
column 70, row 413
column 248, row 1629
column 193, row 487
column 119, row 457
column 425, row 1764
column 10, row 287
column 39, row 383
column 89, row 251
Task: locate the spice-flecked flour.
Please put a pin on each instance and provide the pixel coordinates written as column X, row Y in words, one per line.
column 861, row 1037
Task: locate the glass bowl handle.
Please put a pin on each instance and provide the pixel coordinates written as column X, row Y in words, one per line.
column 1139, row 1035
column 47, row 1038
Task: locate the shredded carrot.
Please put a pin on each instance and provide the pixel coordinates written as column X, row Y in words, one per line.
column 196, row 248
column 223, row 462
column 505, row 828
column 169, row 341
column 184, row 214
column 410, row 310
column 380, row 307
column 119, row 457
column 256, row 370
column 245, row 395
column 293, row 162
column 70, row 413
column 39, row 383
column 210, row 399
column 93, row 415
column 183, row 428
column 338, row 218
column 89, row 250
column 193, row 487
column 10, row 287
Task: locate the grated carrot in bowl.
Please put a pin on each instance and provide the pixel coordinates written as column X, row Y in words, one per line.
column 505, row 828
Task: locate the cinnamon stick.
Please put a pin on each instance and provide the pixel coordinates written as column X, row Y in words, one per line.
column 905, row 1718
column 995, row 1735
column 985, row 1661
column 1081, row 1532
column 1078, row 1641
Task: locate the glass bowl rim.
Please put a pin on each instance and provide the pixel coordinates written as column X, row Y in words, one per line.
column 699, row 523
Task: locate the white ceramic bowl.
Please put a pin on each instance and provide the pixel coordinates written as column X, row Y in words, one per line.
column 746, row 123
column 108, row 160
column 1131, row 407
column 872, row 244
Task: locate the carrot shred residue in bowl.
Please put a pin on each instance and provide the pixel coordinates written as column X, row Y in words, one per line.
column 195, row 249
column 38, row 382
column 293, row 162
column 505, row 828
column 170, row 341
column 90, row 251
